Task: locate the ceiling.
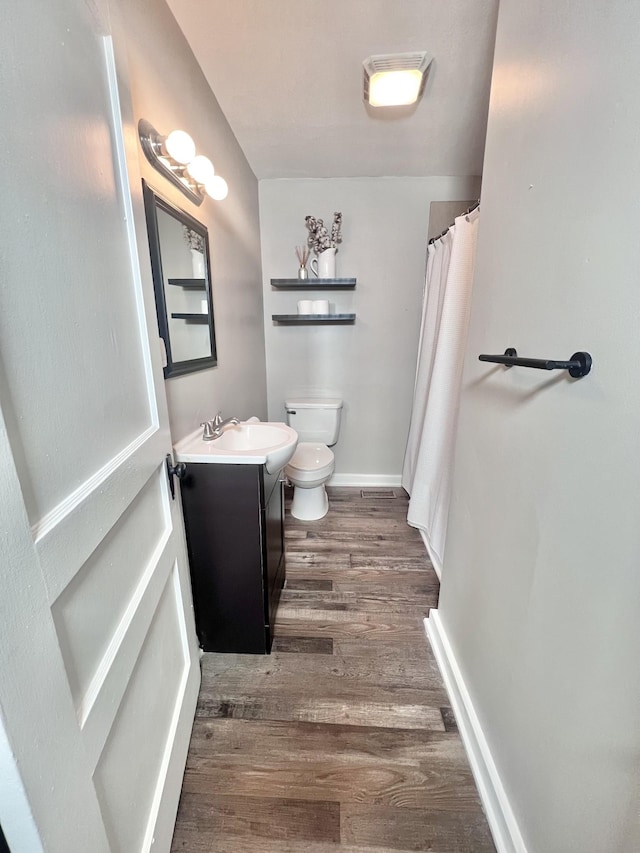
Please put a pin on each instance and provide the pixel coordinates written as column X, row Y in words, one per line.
column 288, row 76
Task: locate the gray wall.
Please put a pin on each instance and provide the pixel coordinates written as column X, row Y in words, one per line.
column 169, row 90
column 541, row 581
column 370, row 365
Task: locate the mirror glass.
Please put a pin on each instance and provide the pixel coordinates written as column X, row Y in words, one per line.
column 179, row 247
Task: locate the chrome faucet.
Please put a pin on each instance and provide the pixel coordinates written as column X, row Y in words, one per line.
column 213, row 428
column 209, row 433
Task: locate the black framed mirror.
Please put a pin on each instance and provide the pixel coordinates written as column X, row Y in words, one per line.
column 179, row 247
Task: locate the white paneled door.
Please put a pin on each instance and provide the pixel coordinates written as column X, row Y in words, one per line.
column 99, row 661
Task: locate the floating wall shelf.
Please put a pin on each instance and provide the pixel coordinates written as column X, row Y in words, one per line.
column 313, row 283
column 308, row 319
column 192, row 318
column 189, row 283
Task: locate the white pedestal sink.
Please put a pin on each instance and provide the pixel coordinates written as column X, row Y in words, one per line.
column 271, row 444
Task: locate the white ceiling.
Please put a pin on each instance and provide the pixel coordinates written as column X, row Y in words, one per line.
column 288, row 76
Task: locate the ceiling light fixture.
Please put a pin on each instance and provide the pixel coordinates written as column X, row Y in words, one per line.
column 174, row 156
column 395, row 79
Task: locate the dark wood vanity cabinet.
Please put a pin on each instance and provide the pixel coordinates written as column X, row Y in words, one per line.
column 234, row 518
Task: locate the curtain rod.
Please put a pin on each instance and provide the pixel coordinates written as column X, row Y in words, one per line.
column 473, row 207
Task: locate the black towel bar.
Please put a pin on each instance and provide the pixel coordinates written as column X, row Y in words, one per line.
column 578, row 365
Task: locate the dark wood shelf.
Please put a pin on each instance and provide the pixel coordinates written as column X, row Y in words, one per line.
column 189, row 283
column 192, row 318
column 308, row 319
column 313, row 283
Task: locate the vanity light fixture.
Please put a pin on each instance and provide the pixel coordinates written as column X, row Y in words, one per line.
column 217, row 188
column 174, row 156
column 395, row 79
column 200, row 169
column 179, row 146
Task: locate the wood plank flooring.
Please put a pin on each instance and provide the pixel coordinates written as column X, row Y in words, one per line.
column 341, row 740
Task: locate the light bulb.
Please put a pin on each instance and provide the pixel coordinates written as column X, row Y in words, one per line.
column 180, row 147
column 217, row 188
column 201, row 169
column 394, row 88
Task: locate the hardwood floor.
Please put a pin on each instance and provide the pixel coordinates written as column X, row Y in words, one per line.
column 342, row 739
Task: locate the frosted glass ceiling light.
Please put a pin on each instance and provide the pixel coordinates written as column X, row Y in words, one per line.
column 395, row 79
column 174, row 156
column 217, row 188
column 201, row 169
column 180, row 147
column 394, row 88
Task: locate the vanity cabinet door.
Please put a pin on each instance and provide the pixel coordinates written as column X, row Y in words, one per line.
column 222, row 515
column 234, row 518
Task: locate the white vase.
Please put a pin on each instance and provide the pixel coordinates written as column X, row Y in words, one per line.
column 197, row 262
column 324, row 266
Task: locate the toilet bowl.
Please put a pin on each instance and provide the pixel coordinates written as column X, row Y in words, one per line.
column 317, row 421
column 308, row 470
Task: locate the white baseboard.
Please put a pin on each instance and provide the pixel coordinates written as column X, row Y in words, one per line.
column 435, row 562
column 502, row 821
column 366, row 480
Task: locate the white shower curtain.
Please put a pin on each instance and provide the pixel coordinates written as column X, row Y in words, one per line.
column 445, row 318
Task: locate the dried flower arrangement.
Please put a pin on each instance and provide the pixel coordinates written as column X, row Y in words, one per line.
column 319, row 239
column 194, row 241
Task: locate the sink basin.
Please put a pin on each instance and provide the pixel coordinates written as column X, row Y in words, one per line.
column 247, row 443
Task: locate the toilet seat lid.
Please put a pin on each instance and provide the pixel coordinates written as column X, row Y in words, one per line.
column 311, row 455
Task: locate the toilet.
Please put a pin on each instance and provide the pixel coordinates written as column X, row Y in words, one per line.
column 317, row 422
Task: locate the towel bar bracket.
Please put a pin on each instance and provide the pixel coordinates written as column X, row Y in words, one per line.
column 581, row 364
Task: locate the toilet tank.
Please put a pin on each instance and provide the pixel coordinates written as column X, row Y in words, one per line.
column 315, row 418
